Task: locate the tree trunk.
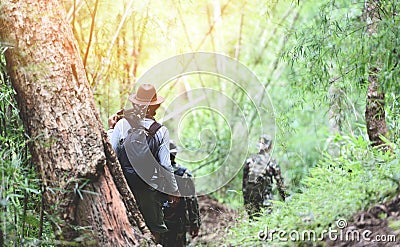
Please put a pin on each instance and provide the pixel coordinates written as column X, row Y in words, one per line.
column 375, row 106
column 375, row 111
column 85, row 188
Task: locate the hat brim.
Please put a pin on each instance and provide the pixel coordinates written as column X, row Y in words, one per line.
column 159, row 100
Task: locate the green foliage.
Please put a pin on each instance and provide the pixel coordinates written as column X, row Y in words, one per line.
column 298, row 50
column 336, row 48
column 20, row 189
column 331, row 46
column 393, row 115
column 302, row 135
column 335, row 189
column 394, row 225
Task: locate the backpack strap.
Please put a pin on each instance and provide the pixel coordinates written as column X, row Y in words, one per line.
column 152, row 130
column 133, row 122
column 154, row 127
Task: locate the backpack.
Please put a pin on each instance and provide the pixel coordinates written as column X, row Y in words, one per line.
column 138, row 152
column 258, row 168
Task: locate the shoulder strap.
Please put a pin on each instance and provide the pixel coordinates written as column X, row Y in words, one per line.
column 154, row 127
column 134, row 123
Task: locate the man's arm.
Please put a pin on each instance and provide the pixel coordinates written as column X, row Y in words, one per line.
column 115, row 133
column 164, row 157
column 194, row 215
column 276, row 172
column 245, row 180
column 192, row 207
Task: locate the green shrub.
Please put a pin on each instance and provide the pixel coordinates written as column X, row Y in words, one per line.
column 20, row 190
column 335, row 189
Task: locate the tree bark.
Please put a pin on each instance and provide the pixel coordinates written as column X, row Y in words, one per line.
column 375, row 116
column 85, row 187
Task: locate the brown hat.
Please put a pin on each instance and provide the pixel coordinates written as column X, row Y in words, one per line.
column 146, row 95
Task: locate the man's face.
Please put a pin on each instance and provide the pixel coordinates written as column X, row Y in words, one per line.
column 152, row 109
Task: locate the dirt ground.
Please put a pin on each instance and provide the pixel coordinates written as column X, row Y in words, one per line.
column 216, row 219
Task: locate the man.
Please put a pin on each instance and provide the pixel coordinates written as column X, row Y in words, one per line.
column 185, row 215
column 258, row 174
column 145, row 103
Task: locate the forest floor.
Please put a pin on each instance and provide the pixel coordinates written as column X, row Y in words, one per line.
column 381, row 221
column 216, row 220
